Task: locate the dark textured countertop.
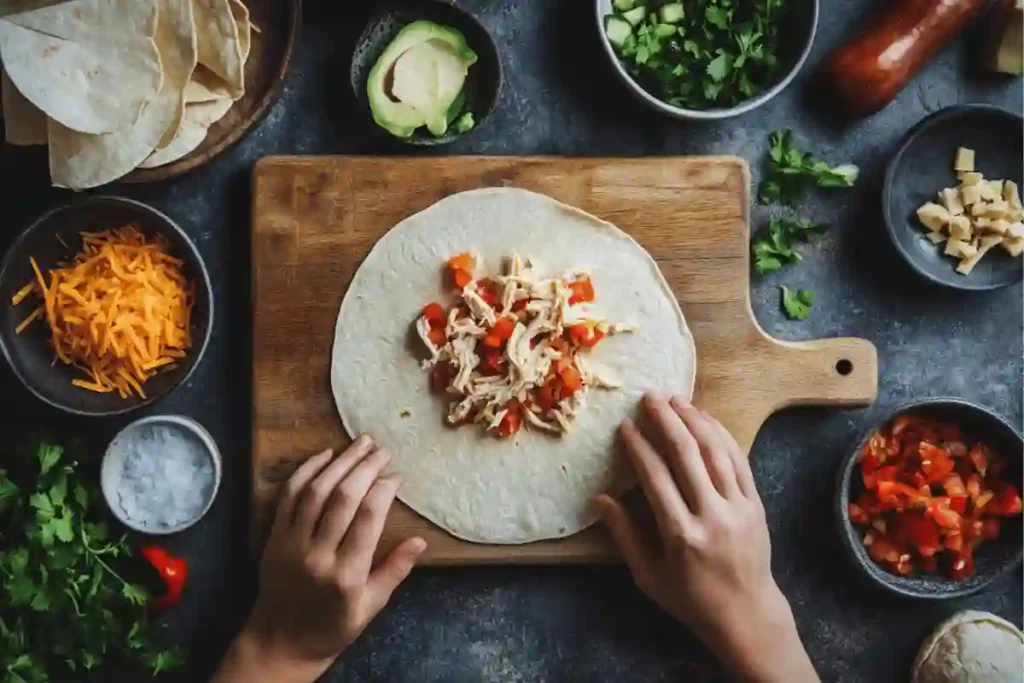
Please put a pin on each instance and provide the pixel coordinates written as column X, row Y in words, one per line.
column 583, row 623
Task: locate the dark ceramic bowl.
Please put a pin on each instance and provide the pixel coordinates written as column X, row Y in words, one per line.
column 797, row 26
column 483, row 82
column 993, row 558
column 923, row 165
column 30, row 354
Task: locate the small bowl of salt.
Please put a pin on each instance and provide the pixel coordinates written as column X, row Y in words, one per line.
column 160, row 474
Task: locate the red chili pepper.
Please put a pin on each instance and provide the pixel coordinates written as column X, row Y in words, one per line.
column 173, row 571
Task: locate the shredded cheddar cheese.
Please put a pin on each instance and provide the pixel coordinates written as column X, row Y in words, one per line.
column 121, row 311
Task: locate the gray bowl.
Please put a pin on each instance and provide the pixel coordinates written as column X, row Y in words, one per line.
column 112, row 468
column 799, row 26
column 993, row 559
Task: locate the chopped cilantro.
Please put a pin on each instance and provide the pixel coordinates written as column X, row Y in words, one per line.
column 797, row 305
column 773, row 246
column 791, row 171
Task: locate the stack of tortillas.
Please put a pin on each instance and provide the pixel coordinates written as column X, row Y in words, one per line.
column 114, row 85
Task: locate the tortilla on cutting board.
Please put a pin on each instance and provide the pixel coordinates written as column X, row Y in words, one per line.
column 24, row 124
column 531, row 486
column 79, row 160
column 91, row 65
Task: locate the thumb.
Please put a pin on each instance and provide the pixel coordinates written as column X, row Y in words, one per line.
column 390, row 574
column 629, row 539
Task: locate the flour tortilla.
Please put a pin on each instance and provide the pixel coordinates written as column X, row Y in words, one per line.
column 199, row 116
column 220, row 48
column 532, row 486
column 80, row 161
column 24, row 124
column 91, row 65
column 971, row 647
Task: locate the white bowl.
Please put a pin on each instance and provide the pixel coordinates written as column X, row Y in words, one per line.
column 810, row 7
column 113, row 466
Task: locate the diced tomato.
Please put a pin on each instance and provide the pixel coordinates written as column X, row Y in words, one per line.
column 586, row 335
column 973, row 486
column 437, row 336
column 954, row 486
column 503, row 328
column 461, row 278
column 1006, row 502
column 887, row 473
column 935, row 462
column 520, row 305
column 958, row 504
column 921, row 532
column 549, row 394
column 511, row 422
column 990, row 528
column 492, row 341
column 488, row 291
column 957, row 449
column 962, row 565
column 440, row 376
column 582, row 291
column 979, row 458
column 858, row 515
column 463, row 261
column 434, row 314
column 868, row 461
column 491, row 362
column 940, row 511
column 883, row 550
column 930, row 564
column 571, row 379
column 893, row 489
column 954, row 542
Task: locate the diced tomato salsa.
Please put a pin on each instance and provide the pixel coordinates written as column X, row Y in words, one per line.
column 930, row 497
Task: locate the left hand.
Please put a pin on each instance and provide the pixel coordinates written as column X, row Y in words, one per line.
column 318, row 588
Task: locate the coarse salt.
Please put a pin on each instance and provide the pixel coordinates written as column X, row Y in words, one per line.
column 166, row 476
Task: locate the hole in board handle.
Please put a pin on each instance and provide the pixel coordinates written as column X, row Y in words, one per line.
column 844, row 367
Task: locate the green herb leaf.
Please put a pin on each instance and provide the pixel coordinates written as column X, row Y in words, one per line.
column 773, row 246
column 791, row 171
column 797, row 305
column 136, row 595
column 49, row 455
column 163, row 661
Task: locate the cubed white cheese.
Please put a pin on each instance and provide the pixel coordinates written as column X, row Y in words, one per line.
column 997, row 209
column 964, row 159
column 1011, row 194
column 1013, row 247
column 950, row 199
column 933, row 216
column 935, row 237
column 970, row 177
column 959, row 248
column 960, row 228
column 970, row 194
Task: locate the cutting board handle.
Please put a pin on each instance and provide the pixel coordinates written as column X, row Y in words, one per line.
column 826, row 372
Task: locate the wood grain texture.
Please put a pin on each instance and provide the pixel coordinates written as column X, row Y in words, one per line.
column 270, row 57
column 316, row 218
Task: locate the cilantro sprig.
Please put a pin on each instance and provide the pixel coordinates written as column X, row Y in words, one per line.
column 797, row 305
column 773, row 247
column 791, row 171
column 65, row 604
column 702, row 54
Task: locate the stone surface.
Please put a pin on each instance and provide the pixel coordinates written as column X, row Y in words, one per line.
column 590, row 624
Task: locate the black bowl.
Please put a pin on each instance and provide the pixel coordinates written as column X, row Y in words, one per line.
column 483, row 82
column 993, row 558
column 55, row 237
column 923, row 165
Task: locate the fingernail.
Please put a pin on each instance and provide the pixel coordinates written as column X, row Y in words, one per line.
column 418, row 545
column 681, row 402
column 598, row 502
column 650, row 398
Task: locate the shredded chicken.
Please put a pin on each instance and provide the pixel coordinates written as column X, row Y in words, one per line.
column 514, row 347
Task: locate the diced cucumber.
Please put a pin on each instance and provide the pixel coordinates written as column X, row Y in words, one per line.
column 672, row 13
column 664, row 30
column 624, row 5
column 635, row 15
column 617, row 29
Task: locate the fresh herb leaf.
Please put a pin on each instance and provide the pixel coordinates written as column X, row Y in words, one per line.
column 773, row 248
column 797, row 305
column 49, row 455
column 159, row 662
column 791, row 171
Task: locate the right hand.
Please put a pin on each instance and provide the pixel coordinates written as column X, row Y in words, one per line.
column 711, row 568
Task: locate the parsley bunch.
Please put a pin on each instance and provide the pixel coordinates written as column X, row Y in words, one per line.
column 797, row 305
column 792, row 170
column 65, row 606
column 718, row 54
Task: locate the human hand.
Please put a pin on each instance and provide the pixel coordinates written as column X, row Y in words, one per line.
column 318, row 589
column 711, row 567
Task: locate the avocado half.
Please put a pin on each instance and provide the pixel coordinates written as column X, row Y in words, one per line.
column 424, row 68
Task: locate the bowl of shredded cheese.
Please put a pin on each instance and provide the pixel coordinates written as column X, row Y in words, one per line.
column 106, row 306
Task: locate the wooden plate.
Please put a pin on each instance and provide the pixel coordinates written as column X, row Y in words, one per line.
column 269, row 59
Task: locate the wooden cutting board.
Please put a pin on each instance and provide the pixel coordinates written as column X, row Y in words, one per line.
column 316, row 218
